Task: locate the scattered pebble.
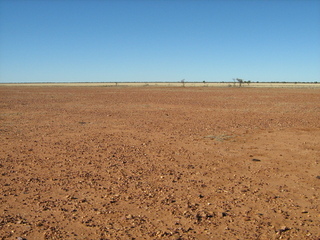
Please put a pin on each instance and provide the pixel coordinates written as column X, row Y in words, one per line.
column 256, row 160
column 223, row 214
column 283, row 229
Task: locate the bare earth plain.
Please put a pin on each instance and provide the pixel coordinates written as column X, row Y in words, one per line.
column 159, row 163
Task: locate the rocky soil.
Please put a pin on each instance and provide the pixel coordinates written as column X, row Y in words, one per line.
column 159, row 163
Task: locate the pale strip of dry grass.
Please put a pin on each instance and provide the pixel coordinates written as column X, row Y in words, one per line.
column 166, row 84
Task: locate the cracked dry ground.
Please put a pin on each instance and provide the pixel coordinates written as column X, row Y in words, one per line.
column 159, row 163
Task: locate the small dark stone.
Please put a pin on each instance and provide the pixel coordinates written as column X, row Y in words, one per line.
column 284, row 229
column 318, row 177
column 256, row 160
column 223, row 214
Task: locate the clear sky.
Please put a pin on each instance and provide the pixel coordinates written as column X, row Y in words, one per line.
column 159, row 40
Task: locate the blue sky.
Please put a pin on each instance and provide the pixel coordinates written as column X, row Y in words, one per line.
column 159, row 40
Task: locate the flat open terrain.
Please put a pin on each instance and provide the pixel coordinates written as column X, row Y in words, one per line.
column 159, row 163
column 170, row 84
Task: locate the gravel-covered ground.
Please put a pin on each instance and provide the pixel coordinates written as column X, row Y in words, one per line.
column 159, row 163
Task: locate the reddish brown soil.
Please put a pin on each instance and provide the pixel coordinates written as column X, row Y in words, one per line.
column 159, row 163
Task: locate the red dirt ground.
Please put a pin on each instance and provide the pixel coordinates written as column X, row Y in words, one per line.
column 159, row 163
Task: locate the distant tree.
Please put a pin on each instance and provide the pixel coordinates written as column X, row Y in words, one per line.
column 204, row 83
column 234, row 82
column 183, row 82
column 240, row 81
